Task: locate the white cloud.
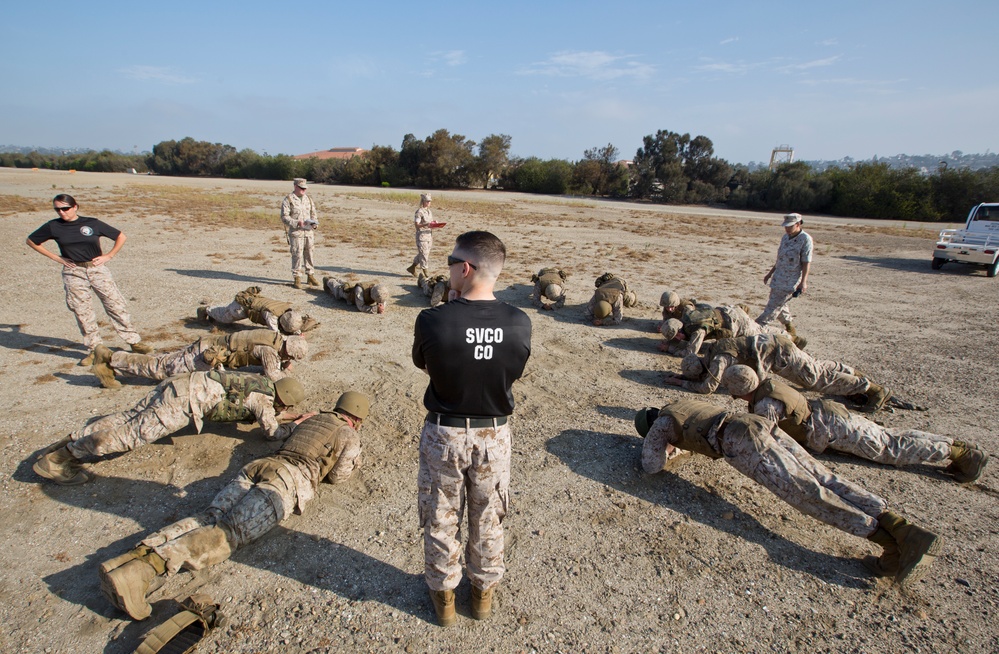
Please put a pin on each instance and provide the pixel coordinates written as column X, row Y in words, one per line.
column 733, row 68
column 817, row 63
column 594, row 64
column 727, row 41
column 156, row 74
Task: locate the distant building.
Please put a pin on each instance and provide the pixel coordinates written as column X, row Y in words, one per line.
column 332, row 153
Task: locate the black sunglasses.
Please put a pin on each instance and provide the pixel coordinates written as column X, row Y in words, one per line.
column 61, row 209
column 451, row 260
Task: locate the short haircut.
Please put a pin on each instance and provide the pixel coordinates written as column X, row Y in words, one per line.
column 484, row 247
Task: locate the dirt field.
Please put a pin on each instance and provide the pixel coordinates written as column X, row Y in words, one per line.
column 601, row 558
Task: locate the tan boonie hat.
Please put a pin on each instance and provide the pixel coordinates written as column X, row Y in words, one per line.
column 791, row 219
column 301, row 182
column 425, row 197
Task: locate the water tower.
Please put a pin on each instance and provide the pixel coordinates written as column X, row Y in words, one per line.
column 781, row 154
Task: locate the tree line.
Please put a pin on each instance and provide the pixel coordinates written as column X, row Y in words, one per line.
column 668, row 168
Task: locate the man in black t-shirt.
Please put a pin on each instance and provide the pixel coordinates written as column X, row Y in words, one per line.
column 473, row 347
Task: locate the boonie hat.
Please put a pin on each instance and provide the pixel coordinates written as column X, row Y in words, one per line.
column 301, row 182
column 791, row 219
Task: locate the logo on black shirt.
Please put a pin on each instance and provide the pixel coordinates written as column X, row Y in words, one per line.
column 87, row 230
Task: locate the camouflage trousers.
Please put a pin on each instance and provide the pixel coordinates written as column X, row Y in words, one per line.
column 79, row 282
column 256, row 501
column 234, row 312
column 161, row 366
column 868, row 440
column 761, row 451
column 461, row 466
column 166, row 409
column 818, row 375
column 743, row 325
column 301, row 242
column 777, row 307
column 424, row 240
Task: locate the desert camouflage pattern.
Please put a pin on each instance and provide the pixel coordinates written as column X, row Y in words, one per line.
column 193, row 358
column 761, row 451
column 791, row 254
column 263, row 494
column 301, row 240
column 352, row 293
column 461, row 466
column 768, row 353
column 542, row 280
column 436, row 288
column 169, row 407
column 162, row 365
column 164, row 410
column 863, row 438
column 79, row 282
column 739, row 324
column 234, row 312
column 256, row 501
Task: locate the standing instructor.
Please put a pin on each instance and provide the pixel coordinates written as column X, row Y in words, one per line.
column 473, row 347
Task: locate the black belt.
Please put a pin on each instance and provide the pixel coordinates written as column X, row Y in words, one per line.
column 467, row 422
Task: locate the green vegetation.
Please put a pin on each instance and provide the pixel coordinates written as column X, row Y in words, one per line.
column 669, row 168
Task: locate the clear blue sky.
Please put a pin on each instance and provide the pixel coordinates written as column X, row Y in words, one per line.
column 849, row 79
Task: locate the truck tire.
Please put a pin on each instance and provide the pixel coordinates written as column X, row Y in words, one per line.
column 993, row 269
column 938, row 263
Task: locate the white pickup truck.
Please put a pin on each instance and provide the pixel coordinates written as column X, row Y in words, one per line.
column 977, row 243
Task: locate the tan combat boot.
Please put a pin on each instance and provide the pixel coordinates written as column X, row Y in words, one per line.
column 61, row 467
column 482, row 603
column 885, row 565
column 877, row 395
column 126, row 586
column 444, row 607
column 297, row 283
column 312, row 280
column 800, row 342
column 105, row 375
column 141, row 348
column 202, row 313
column 87, row 360
column 412, row 270
column 102, row 354
column 791, row 331
column 917, row 547
column 426, row 273
column 967, row 462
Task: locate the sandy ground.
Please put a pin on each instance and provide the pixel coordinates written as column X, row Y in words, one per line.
column 601, row 558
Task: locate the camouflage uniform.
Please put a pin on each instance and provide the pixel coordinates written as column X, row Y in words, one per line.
column 253, row 347
column 614, row 291
column 436, row 288
column 830, row 425
column 424, row 237
column 761, row 451
column 266, row 491
column 168, row 408
column 765, row 353
column 732, row 321
column 78, row 282
column 300, row 239
column 543, row 279
column 358, row 294
column 448, row 457
column 250, row 305
column 791, row 254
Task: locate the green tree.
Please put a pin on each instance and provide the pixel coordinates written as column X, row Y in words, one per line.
column 494, row 156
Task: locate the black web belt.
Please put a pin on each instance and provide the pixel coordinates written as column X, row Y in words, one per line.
column 467, row 422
